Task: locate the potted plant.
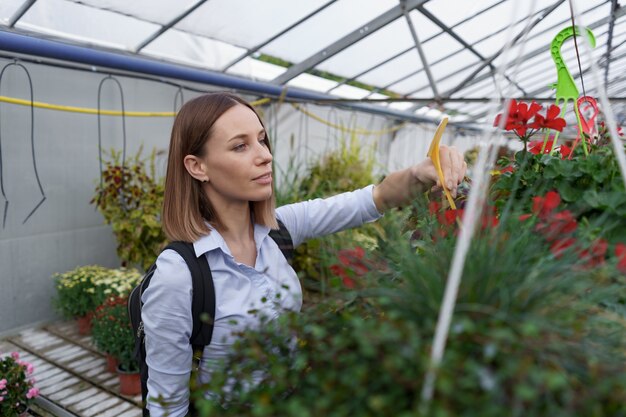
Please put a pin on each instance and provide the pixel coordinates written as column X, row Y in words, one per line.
column 113, row 333
column 130, row 198
column 116, row 283
column 17, row 389
column 78, row 294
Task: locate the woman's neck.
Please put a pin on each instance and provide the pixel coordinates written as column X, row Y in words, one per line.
column 236, row 222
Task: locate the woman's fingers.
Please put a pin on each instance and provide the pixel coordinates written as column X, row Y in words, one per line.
column 453, row 166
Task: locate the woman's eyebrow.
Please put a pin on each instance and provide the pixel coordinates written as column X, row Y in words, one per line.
column 243, row 135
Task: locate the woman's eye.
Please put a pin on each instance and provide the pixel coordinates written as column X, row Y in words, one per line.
column 240, row 147
column 264, row 141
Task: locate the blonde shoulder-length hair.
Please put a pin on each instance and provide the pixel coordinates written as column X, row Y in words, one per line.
column 186, row 207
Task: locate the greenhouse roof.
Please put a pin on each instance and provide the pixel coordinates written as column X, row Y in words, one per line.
column 418, row 57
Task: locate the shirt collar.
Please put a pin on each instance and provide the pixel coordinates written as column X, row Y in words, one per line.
column 214, row 240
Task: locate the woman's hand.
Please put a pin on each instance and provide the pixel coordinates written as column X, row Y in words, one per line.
column 452, row 164
column 400, row 187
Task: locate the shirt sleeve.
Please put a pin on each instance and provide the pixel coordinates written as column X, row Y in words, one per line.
column 166, row 315
column 319, row 217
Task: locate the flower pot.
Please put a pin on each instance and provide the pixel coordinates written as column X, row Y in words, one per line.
column 84, row 324
column 112, row 363
column 130, row 382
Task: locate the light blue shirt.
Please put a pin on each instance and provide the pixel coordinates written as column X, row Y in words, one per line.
column 271, row 287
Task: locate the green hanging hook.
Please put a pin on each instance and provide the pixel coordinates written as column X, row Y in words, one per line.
column 566, row 89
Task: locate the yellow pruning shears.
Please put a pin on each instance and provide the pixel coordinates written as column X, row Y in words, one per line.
column 433, row 154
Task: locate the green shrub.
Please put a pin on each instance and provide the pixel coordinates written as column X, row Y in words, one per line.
column 346, row 169
column 130, row 199
column 77, row 291
column 112, row 332
column 80, row 291
column 532, row 335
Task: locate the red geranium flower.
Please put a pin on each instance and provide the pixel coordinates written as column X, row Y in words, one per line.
column 620, row 253
column 560, row 224
column 518, row 117
column 561, row 245
column 535, row 146
column 565, row 151
column 509, row 168
column 595, row 254
column 434, row 207
column 552, row 119
column 339, row 271
column 543, row 206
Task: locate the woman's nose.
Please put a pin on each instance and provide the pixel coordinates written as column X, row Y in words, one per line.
column 264, row 156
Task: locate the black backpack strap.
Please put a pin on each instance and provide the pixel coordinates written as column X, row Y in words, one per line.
column 202, row 305
column 203, row 302
column 282, row 237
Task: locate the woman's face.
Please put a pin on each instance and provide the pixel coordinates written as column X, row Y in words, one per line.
column 238, row 160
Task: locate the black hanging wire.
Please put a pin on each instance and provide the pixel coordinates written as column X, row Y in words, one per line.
column 609, row 42
column 580, row 68
column 109, row 77
column 32, row 144
column 179, row 93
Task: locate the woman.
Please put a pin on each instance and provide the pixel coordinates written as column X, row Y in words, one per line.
column 219, row 195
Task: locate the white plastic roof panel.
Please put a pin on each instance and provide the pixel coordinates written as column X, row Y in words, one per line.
column 381, row 45
column 460, row 11
column 348, row 91
column 393, row 70
column 411, row 83
column 193, row 50
column 83, row 23
column 8, row 9
column 450, row 81
column 312, row 82
column 424, row 27
column 439, row 47
column 326, row 27
column 494, row 19
column 256, row 70
column 161, row 13
column 245, row 22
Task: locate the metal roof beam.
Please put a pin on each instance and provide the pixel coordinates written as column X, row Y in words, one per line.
column 20, row 12
column 351, row 38
column 456, row 52
column 408, row 49
column 420, row 51
column 278, row 35
column 471, row 80
column 169, row 25
column 620, row 12
column 462, row 41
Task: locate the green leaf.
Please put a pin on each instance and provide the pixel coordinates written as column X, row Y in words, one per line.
column 591, row 197
column 569, row 193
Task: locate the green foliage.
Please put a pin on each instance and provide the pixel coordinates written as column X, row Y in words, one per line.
column 17, row 389
column 345, row 169
column 130, row 199
column 77, row 293
column 80, row 291
column 532, row 335
column 112, row 332
column 591, row 186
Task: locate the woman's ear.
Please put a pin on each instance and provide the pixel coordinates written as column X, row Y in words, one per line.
column 196, row 168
